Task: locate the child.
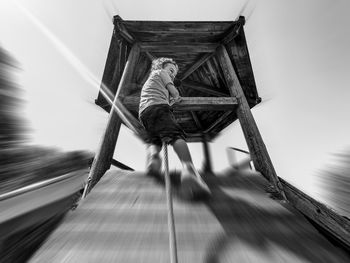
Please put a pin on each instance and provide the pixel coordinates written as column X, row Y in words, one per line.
column 156, row 115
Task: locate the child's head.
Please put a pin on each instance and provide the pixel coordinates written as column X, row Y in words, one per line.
column 161, row 63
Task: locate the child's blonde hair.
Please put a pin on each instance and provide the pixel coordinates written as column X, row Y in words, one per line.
column 160, row 63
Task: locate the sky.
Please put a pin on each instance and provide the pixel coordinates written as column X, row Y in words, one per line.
column 298, row 49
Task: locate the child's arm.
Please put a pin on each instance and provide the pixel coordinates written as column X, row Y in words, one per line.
column 169, row 85
column 174, row 93
column 172, row 90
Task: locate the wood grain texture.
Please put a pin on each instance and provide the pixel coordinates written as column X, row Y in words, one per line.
column 192, row 103
column 104, row 155
column 124, row 219
column 257, row 148
column 192, row 44
column 337, row 226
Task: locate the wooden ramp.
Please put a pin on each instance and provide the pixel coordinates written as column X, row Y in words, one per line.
column 124, row 219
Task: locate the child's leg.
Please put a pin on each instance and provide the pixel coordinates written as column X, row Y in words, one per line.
column 154, row 163
column 192, row 183
column 182, row 151
column 153, row 149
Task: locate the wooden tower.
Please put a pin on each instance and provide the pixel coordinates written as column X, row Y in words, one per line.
column 218, row 85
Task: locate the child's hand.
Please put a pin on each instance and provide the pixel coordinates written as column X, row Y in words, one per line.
column 175, row 100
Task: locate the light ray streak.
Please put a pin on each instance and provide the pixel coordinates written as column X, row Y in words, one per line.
column 83, row 71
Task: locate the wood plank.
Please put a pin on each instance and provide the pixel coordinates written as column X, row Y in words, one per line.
column 129, row 119
column 178, row 47
column 110, row 70
column 233, row 31
column 167, row 36
column 239, row 54
column 196, row 65
column 125, row 220
column 191, row 103
column 217, row 121
column 197, row 121
column 193, row 114
column 335, row 225
column 120, row 28
column 213, row 74
column 204, row 88
column 175, row 26
column 257, row 148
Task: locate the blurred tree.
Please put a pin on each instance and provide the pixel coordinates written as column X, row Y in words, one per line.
column 336, row 183
column 13, row 127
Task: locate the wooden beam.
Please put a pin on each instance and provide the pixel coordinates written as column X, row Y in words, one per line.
column 111, row 70
column 218, row 121
column 178, row 27
column 335, row 225
column 203, row 88
column 191, row 103
column 106, row 148
column 178, row 47
column 129, row 120
column 120, row 28
column 234, row 31
column 205, row 104
column 196, row 120
column 196, row 65
column 193, row 114
column 257, row 148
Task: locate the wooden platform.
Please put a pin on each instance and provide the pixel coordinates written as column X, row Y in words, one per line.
column 124, row 219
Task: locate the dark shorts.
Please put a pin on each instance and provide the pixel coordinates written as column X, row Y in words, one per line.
column 160, row 123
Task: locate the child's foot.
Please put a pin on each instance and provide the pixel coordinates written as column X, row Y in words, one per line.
column 154, row 165
column 192, row 185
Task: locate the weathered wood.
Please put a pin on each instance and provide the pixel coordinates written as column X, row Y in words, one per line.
column 125, row 220
column 129, row 120
column 178, row 47
column 238, row 52
column 233, row 31
column 193, row 114
column 218, row 121
column 182, row 41
column 105, row 151
column 196, row 120
column 203, row 88
column 195, row 66
column 191, row 103
column 257, row 148
column 335, row 225
column 111, row 71
column 176, row 26
column 213, row 74
column 171, row 37
column 119, row 26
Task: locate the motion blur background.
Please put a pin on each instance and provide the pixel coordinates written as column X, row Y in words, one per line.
column 300, row 58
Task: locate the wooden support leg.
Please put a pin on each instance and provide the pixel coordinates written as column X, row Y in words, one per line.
column 207, row 167
column 257, row 148
column 105, row 151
